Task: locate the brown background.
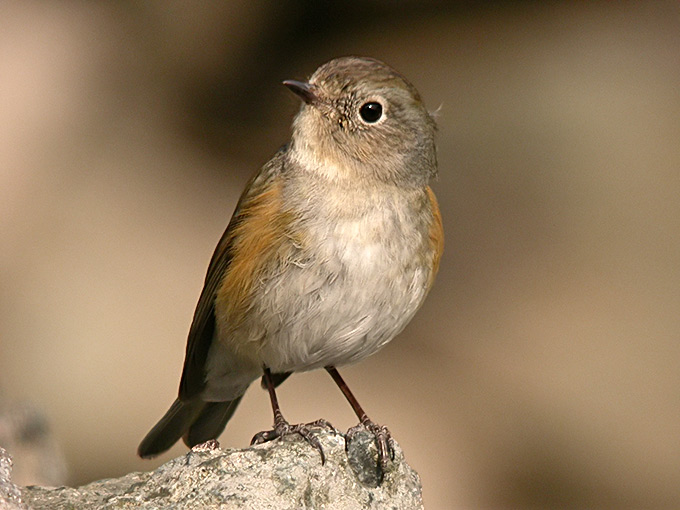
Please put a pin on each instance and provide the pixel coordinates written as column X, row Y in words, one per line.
column 542, row 372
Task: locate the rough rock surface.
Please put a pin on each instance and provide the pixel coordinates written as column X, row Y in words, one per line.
column 10, row 494
column 278, row 475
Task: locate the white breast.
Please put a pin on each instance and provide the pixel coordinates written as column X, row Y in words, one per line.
column 355, row 287
column 355, row 281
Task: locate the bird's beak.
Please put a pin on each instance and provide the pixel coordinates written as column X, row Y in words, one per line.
column 305, row 90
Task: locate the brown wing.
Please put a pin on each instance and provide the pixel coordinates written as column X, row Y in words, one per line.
column 203, row 324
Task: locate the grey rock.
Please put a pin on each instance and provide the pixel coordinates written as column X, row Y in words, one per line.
column 10, row 494
column 281, row 474
column 361, row 455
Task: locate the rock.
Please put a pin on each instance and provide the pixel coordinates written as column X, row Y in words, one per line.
column 10, row 494
column 281, row 474
column 361, row 455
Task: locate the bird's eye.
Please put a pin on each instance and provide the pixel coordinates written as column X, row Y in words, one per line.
column 371, row 112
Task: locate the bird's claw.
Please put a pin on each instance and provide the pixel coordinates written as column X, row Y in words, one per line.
column 283, row 428
column 383, row 440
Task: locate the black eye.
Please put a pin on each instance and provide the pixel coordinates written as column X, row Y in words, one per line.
column 371, row 112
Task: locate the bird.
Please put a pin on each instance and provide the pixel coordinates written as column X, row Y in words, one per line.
column 332, row 248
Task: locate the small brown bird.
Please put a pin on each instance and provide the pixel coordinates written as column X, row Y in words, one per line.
column 332, row 249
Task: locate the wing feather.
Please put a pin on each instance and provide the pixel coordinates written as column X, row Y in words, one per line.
column 202, row 328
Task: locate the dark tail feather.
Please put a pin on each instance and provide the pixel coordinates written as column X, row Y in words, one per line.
column 210, row 422
column 170, row 428
column 195, row 421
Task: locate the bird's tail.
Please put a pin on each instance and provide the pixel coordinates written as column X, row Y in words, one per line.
column 195, row 421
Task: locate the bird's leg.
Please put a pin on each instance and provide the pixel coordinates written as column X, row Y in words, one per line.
column 281, row 425
column 383, row 437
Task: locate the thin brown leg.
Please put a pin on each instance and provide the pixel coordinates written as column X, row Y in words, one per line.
column 281, row 425
column 269, row 383
column 347, row 392
column 383, row 437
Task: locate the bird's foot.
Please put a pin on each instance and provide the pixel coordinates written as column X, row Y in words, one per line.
column 283, row 428
column 383, row 440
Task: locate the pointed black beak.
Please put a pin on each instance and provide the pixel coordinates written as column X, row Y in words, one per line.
column 302, row 89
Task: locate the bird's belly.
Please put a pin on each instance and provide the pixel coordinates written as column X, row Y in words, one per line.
column 342, row 305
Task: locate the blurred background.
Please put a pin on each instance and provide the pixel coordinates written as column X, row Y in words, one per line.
column 543, row 370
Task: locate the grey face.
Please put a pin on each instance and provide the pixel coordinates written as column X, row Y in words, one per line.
column 361, row 113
